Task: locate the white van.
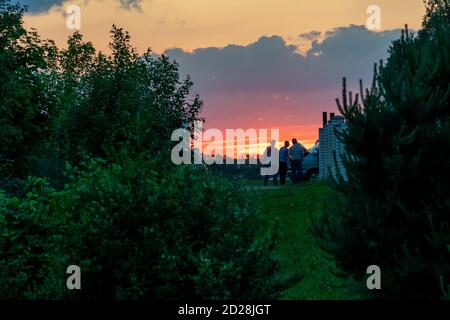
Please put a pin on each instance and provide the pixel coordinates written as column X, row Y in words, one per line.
column 310, row 166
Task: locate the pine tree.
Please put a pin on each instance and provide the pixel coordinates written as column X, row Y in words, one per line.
column 394, row 209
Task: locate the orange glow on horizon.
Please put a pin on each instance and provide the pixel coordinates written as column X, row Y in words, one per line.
column 307, row 135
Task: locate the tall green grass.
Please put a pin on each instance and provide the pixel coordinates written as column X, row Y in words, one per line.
column 290, row 207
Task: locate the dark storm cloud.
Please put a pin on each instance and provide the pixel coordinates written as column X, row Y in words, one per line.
column 35, row 6
column 271, row 65
column 311, row 36
column 39, row 6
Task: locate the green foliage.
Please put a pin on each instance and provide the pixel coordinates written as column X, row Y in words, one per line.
column 29, row 236
column 165, row 236
column 136, row 234
column 128, row 102
column 137, row 226
column 290, row 208
column 24, row 104
column 395, row 203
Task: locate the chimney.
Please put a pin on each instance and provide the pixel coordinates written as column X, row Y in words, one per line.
column 324, row 118
column 332, row 115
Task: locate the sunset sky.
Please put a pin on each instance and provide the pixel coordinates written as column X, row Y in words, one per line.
column 255, row 63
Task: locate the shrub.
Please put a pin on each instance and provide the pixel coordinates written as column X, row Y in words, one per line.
column 30, row 238
column 137, row 233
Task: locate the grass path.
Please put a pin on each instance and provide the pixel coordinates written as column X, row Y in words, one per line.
column 297, row 249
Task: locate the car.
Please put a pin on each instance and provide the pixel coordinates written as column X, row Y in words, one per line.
column 310, row 165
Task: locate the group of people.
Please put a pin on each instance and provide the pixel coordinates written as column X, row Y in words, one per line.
column 292, row 156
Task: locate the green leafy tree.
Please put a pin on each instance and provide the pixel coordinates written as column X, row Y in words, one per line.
column 137, row 225
column 394, row 207
column 25, row 100
column 129, row 103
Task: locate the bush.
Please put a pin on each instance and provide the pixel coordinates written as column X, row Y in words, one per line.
column 30, row 238
column 139, row 234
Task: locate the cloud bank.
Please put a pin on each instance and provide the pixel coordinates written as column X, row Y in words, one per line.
column 268, row 84
column 41, row 6
column 270, row 64
column 36, row 6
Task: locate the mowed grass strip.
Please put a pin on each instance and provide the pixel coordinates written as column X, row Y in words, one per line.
column 297, row 249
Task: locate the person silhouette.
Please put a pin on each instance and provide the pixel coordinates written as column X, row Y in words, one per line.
column 284, row 159
column 296, row 154
column 271, row 164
